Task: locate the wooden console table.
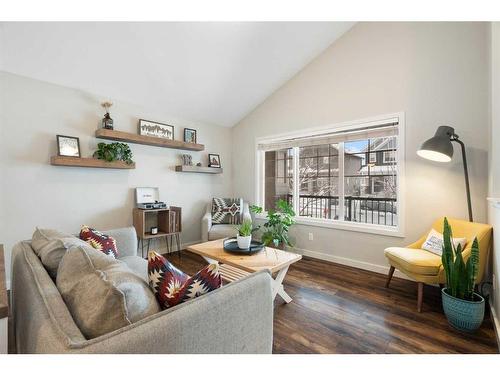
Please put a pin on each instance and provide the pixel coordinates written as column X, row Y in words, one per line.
column 167, row 220
column 4, row 305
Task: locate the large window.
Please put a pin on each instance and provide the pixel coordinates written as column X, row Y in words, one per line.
column 342, row 176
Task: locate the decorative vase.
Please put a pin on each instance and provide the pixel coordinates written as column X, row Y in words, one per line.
column 244, row 241
column 463, row 315
column 107, row 122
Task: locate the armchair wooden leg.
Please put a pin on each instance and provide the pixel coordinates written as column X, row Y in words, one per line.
column 389, row 276
column 420, row 295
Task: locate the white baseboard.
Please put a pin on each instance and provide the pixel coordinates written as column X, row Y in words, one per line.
column 383, row 269
column 496, row 323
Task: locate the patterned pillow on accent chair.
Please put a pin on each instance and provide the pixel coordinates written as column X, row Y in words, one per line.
column 227, row 210
column 99, row 241
column 171, row 286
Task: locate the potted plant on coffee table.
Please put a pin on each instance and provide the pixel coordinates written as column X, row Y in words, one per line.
column 244, row 236
column 463, row 308
column 278, row 223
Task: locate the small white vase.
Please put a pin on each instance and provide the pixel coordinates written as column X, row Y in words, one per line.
column 244, row 242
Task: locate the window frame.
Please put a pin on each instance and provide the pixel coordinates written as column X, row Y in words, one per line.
column 396, row 231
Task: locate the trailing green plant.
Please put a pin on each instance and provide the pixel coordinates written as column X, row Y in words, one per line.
column 279, row 221
column 113, row 152
column 460, row 275
column 246, row 229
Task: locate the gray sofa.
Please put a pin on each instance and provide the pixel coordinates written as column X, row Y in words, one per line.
column 237, row 318
column 210, row 232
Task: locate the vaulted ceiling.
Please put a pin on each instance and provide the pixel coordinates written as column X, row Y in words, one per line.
column 214, row 72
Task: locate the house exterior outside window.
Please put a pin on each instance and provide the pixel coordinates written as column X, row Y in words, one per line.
column 346, row 177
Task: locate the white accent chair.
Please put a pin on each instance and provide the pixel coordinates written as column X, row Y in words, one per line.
column 211, row 232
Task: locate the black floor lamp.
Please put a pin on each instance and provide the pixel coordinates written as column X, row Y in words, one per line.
column 439, row 148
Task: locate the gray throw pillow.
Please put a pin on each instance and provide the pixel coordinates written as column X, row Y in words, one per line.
column 102, row 293
column 50, row 245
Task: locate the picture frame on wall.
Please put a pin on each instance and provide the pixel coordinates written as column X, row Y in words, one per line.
column 214, row 160
column 68, row 146
column 156, row 129
column 189, row 135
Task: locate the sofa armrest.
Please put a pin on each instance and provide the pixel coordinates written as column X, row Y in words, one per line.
column 206, row 223
column 126, row 240
column 238, row 318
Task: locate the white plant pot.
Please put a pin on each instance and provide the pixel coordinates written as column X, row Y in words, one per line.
column 244, row 242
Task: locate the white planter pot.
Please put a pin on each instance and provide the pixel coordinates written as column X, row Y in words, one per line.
column 244, row 242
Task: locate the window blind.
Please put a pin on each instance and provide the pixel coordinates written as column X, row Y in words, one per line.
column 387, row 128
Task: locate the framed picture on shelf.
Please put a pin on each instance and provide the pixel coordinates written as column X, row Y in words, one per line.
column 156, row 129
column 189, row 135
column 68, row 146
column 214, row 160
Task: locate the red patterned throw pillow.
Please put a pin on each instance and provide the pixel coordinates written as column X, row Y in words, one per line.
column 171, row 286
column 99, row 241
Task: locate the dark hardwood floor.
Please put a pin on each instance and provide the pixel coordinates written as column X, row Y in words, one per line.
column 340, row 309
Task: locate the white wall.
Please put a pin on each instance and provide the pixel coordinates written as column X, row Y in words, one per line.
column 494, row 167
column 34, row 193
column 437, row 73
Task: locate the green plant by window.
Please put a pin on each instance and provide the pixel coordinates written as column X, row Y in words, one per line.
column 245, row 229
column 113, row 152
column 460, row 275
column 278, row 223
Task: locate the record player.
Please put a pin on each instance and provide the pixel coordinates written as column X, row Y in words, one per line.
column 147, row 198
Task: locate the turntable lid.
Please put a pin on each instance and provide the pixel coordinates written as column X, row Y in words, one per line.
column 146, row 195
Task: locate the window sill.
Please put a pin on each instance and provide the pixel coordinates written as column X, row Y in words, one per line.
column 349, row 226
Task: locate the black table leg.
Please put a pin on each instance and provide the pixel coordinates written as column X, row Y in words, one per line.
column 178, row 240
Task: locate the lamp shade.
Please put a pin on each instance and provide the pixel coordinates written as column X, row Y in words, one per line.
column 438, row 148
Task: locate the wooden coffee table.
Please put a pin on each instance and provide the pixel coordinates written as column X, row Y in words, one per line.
column 274, row 260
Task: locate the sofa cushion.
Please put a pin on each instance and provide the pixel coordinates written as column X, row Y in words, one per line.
column 102, row 293
column 50, row 245
column 221, row 231
column 99, row 241
column 227, row 210
column 417, row 261
column 138, row 265
column 172, row 286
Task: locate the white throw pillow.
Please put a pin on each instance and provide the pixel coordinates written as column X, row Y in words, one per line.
column 434, row 242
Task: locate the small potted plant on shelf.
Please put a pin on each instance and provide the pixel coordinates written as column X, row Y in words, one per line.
column 113, row 152
column 245, row 231
column 463, row 308
column 278, row 223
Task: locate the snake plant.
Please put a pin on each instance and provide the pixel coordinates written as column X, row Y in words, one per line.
column 245, row 229
column 460, row 275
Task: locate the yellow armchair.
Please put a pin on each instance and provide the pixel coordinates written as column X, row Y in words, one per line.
column 425, row 267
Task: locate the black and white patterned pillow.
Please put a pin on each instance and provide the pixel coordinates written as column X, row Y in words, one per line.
column 227, row 210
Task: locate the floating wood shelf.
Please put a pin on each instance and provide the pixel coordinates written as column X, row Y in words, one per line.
column 195, row 169
column 89, row 163
column 116, row 135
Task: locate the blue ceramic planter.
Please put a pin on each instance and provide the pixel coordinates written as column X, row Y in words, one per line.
column 463, row 315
